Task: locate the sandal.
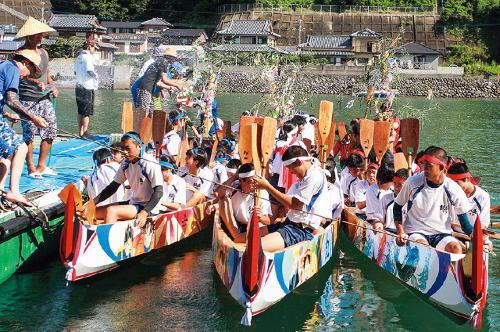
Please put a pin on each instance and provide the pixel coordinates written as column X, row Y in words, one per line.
column 48, row 171
column 35, row 175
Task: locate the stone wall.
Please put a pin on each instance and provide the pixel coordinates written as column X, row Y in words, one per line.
column 63, row 70
column 448, row 87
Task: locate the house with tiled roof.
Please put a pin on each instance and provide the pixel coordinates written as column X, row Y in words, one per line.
column 417, row 56
column 186, row 37
column 248, row 34
column 128, row 43
column 76, row 25
column 358, row 49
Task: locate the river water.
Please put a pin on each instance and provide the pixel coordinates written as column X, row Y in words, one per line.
column 179, row 289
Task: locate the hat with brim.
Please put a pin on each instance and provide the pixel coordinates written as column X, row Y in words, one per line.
column 33, row 27
column 88, row 43
column 170, row 52
column 34, row 58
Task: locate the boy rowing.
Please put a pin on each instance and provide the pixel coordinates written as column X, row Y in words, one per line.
column 430, row 198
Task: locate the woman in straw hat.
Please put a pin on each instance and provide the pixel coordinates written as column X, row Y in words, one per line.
column 36, row 99
column 12, row 148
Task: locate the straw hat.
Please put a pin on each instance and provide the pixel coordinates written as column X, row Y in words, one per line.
column 170, row 52
column 32, row 27
column 34, row 58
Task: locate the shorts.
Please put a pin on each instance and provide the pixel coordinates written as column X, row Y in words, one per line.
column 84, row 100
column 438, row 241
column 146, row 102
column 45, row 110
column 291, row 232
column 9, row 140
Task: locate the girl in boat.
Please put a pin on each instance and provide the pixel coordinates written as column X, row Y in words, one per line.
column 355, row 166
column 375, row 194
column 306, row 201
column 478, row 198
column 237, row 205
column 143, row 173
column 387, row 201
column 172, row 140
column 116, row 152
column 359, row 189
column 174, row 187
column 198, row 176
column 105, row 170
column 431, row 198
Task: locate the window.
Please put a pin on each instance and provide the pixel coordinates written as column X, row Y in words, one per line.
column 261, row 40
column 135, row 48
column 370, row 47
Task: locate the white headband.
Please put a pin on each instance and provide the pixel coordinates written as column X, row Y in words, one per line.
column 247, row 174
column 291, row 161
column 230, row 169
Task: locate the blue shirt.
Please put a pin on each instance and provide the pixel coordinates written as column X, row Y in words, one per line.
column 9, row 80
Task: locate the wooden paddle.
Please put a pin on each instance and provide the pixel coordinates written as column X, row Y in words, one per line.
column 325, row 118
column 215, row 146
column 138, row 116
column 159, row 125
column 245, row 139
column 266, row 141
column 181, row 156
column 226, row 129
column 410, row 135
column 330, row 142
column 146, row 132
column 381, row 132
column 400, row 161
column 127, row 117
column 366, row 128
column 342, row 130
column 255, row 147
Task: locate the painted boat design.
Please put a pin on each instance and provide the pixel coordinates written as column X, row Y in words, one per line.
column 279, row 272
column 438, row 276
column 88, row 250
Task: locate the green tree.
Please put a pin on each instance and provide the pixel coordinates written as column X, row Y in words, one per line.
column 457, row 11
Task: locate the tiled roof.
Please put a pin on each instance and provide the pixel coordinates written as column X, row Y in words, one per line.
column 126, row 36
column 10, row 45
column 416, row 48
column 107, row 45
column 184, row 33
column 157, row 21
column 249, row 27
column 327, row 52
column 247, row 48
column 121, row 24
column 73, row 22
column 327, row 42
column 366, row 33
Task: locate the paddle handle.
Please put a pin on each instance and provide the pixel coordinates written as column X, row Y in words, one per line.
column 410, row 161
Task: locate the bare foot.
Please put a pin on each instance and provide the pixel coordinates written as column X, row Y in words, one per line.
column 17, row 198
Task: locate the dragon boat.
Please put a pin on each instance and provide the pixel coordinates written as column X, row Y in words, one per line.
column 87, row 250
column 30, row 235
column 278, row 273
column 458, row 283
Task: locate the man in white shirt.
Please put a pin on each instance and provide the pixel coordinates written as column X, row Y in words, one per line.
column 86, row 84
column 431, row 198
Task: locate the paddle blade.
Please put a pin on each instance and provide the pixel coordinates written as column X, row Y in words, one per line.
column 366, row 128
column 325, row 119
column 64, row 195
column 91, row 212
column 181, row 160
column 251, row 257
column 127, row 117
column 214, row 151
column 70, row 229
column 255, row 147
column 329, row 143
column 400, row 161
column 159, row 125
column 477, row 258
column 146, row 132
column 266, row 140
column 226, row 129
column 381, row 132
column 342, row 130
column 410, row 135
column 245, row 140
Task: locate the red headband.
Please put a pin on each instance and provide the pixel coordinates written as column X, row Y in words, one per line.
column 397, row 179
column 373, row 165
column 462, row 176
column 432, row 160
column 359, row 153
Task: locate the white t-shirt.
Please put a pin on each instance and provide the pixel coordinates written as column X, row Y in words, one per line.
column 480, row 204
column 142, row 176
column 174, row 192
column 346, row 180
column 170, row 144
column 429, row 210
column 243, row 205
column 220, row 173
column 336, row 199
column 203, row 181
column 145, row 66
column 85, row 63
column 387, row 203
column 312, row 191
column 374, row 208
column 358, row 194
column 308, row 132
column 101, row 179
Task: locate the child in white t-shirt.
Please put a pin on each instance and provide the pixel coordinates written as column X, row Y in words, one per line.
column 172, row 140
column 375, row 195
column 174, row 187
column 358, row 191
column 198, row 176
